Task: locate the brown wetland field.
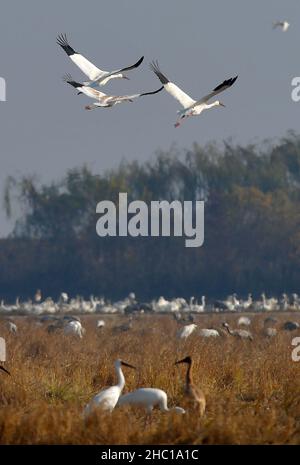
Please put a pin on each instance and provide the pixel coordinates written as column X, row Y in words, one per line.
column 252, row 388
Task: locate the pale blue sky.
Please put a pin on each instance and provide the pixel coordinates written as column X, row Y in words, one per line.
column 44, row 127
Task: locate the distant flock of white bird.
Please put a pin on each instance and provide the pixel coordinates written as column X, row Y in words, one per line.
column 177, row 306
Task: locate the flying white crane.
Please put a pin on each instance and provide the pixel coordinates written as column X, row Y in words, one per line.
column 96, row 75
column 107, row 398
column 284, row 25
column 186, row 331
column 191, row 107
column 148, row 398
column 104, row 100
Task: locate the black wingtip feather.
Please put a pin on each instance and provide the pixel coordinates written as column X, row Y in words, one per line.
column 152, row 93
column 155, row 68
column 227, row 83
column 63, row 42
column 69, row 80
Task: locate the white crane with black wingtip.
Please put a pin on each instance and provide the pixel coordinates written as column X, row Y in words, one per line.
column 96, row 75
column 104, row 100
column 191, row 107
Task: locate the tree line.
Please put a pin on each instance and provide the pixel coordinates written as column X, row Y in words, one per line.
column 252, row 233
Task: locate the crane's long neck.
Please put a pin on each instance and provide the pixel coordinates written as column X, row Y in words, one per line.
column 229, row 330
column 120, row 376
column 189, row 378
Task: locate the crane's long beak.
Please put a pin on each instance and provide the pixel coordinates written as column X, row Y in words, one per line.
column 128, row 365
column 179, row 361
column 222, row 105
column 4, row 369
column 78, row 93
column 125, row 77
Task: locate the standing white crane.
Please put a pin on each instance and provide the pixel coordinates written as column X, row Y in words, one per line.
column 284, row 25
column 148, row 398
column 96, row 75
column 186, row 331
column 104, row 100
column 191, row 107
column 107, row 398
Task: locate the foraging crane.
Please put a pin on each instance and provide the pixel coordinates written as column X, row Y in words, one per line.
column 107, row 398
column 104, row 100
column 291, row 325
column 244, row 320
column 240, row 333
column 4, row 369
column 74, row 327
column 148, row 398
column 191, row 107
column 186, row 331
column 12, row 327
column 284, row 25
column 207, row 332
column 96, row 75
column 100, row 324
column 194, row 395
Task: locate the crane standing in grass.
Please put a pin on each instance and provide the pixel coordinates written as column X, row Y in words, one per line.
column 240, row 333
column 195, row 397
column 107, row 398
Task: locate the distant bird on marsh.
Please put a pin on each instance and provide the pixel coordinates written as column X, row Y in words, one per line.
column 186, row 331
column 239, row 333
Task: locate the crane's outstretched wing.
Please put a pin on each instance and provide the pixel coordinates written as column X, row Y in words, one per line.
column 89, row 91
column 88, row 68
column 220, row 88
column 185, row 100
column 122, row 98
column 128, row 68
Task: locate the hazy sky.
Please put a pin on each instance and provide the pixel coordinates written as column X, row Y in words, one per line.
column 44, row 127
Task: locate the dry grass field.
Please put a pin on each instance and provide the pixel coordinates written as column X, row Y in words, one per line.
column 252, row 388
